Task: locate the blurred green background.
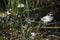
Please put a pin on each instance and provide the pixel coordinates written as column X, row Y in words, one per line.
column 20, row 19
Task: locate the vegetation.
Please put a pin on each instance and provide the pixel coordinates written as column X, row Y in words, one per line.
column 21, row 21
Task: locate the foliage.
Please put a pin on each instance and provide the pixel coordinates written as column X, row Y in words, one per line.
column 21, row 23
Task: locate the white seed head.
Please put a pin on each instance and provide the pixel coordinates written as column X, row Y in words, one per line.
column 33, row 34
column 18, row 15
column 20, row 5
column 47, row 19
column 8, row 13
